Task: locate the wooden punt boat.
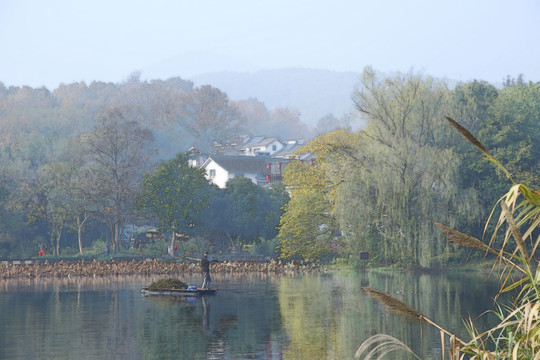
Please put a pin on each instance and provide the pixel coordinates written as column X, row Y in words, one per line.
column 178, row 292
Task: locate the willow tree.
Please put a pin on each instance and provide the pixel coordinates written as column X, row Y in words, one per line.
column 407, row 179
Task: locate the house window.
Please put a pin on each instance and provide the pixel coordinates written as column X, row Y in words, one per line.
column 274, row 147
column 212, row 173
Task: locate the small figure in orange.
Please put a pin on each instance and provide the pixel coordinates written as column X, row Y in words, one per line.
column 42, row 248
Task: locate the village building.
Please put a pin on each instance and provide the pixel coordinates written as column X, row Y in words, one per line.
column 260, row 159
column 260, row 144
column 222, row 168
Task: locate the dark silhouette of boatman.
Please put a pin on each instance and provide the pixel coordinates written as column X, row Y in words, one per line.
column 205, row 268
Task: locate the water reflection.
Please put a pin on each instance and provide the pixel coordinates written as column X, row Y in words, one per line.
column 257, row 316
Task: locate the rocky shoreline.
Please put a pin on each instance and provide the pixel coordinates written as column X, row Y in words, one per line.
column 96, row 268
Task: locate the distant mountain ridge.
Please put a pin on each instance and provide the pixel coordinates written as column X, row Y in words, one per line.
column 315, row 93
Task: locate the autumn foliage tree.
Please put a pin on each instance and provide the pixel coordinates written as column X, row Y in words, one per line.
column 210, row 117
column 308, row 228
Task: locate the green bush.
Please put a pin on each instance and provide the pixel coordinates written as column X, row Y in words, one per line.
column 97, row 247
column 157, row 248
column 67, row 251
column 194, row 247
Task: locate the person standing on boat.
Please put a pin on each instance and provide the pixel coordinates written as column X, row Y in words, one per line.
column 205, row 268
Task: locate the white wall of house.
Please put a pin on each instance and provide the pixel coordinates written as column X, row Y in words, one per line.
column 216, row 174
column 219, row 176
column 274, row 147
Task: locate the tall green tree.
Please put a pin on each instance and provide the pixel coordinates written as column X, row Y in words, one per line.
column 506, row 122
column 15, row 234
column 512, row 132
column 46, row 198
column 83, row 189
column 471, row 103
column 243, row 213
column 176, row 195
column 55, row 179
column 19, row 165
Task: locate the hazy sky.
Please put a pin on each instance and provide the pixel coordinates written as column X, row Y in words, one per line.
column 47, row 42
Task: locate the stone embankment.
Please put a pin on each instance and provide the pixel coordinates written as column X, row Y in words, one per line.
column 97, row 268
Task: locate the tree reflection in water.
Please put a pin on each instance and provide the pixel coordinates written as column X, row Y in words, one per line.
column 262, row 316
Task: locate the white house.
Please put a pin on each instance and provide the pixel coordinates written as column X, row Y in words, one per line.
column 221, row 168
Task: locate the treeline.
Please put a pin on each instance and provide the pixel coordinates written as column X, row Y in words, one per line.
column 72, row 159
column 380, row 190
column 179, row 114
column 79, row 163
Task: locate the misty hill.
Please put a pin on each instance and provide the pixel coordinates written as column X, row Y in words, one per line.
column 315, row 93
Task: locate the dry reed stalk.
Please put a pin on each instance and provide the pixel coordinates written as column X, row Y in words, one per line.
column 383, row 344
column 393, row 305
column 465, row 240
column 515, row 231
column 469, row 137
column 397, row 307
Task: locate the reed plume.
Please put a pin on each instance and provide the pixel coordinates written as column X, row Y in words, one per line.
column 461, row 239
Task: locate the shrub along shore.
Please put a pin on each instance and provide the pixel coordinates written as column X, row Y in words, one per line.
column 97, row 268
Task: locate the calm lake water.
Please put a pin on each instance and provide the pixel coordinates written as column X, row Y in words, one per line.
column 310, row 316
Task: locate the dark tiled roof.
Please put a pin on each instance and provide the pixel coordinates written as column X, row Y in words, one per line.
column 289, row 149
column 256, row 139
column 243, row 164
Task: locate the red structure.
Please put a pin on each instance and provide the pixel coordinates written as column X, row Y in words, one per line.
column 275, row 168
